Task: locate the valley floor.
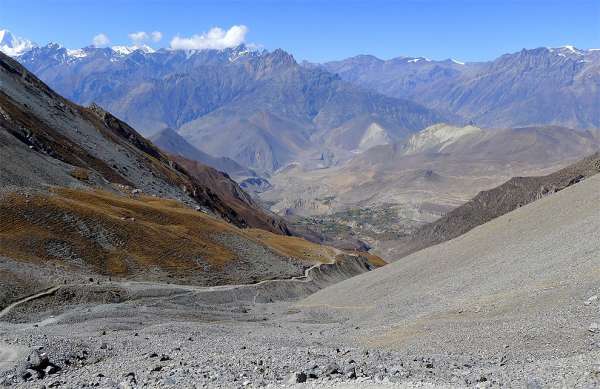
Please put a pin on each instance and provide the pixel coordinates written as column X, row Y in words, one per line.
column 158, row 335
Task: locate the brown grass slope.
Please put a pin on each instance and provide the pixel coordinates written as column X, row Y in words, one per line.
column 490, row 204
column 97, row 232
column 54, row 127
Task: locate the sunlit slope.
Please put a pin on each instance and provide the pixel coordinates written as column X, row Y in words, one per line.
column 516, row 284
column 145, row 238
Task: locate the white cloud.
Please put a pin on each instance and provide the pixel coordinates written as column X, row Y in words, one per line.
column 156, row 36
column 101, row 40
column 215, row 38
column 138, row 37
column 141, row 36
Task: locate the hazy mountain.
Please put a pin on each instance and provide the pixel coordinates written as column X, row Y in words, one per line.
column 173, row 143
column 543, row 86
column 259, row 108
column 390, row 189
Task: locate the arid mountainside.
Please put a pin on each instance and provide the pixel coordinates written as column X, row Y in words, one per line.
column 520, row 291
column 490, row 204
column 259, row 108
column 542, row 86
column 387, row 191
column 84, row 195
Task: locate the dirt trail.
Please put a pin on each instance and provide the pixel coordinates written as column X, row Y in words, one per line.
column 46, row 292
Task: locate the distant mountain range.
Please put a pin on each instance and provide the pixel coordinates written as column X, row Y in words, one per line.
column 263, row 110
column 543, row 86
column 259, row 108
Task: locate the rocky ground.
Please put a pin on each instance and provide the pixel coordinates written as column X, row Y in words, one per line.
column 512, row 303
column 154, row 342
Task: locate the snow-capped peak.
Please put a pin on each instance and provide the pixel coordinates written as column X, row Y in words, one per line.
column 13, row 45
column 417, row 59
column 126, row 50
column 456, row 62
column 570, row 48
column 567, row 50
column 76, row 53
column 239, row 52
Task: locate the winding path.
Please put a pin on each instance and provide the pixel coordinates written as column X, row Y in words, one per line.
column 43, row 293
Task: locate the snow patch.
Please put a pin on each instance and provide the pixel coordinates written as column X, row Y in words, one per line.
column 126, row 50
column 76, row 53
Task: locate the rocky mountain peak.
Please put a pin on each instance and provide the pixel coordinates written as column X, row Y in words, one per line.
column 13, row 45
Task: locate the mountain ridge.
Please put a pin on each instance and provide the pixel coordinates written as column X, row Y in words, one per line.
column 259, row 108
column 515, row 89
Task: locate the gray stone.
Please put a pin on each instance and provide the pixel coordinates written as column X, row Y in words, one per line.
column 297, row 378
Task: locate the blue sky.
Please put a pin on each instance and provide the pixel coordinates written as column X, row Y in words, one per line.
column 467, row 30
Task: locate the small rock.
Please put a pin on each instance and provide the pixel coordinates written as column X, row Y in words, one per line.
column 351, row 373
column 297, row 378
column 51, row 369
column 32, row 374
column 591, row 300
column 332, row 368
column 594, row 327
column 131, row 377
column 37, row 361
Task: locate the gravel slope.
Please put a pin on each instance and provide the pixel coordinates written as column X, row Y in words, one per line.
column 515, row 288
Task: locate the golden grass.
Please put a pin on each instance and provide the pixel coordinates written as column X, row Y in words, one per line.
column 294, row 247
column 119, row 235
column 80, row 174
